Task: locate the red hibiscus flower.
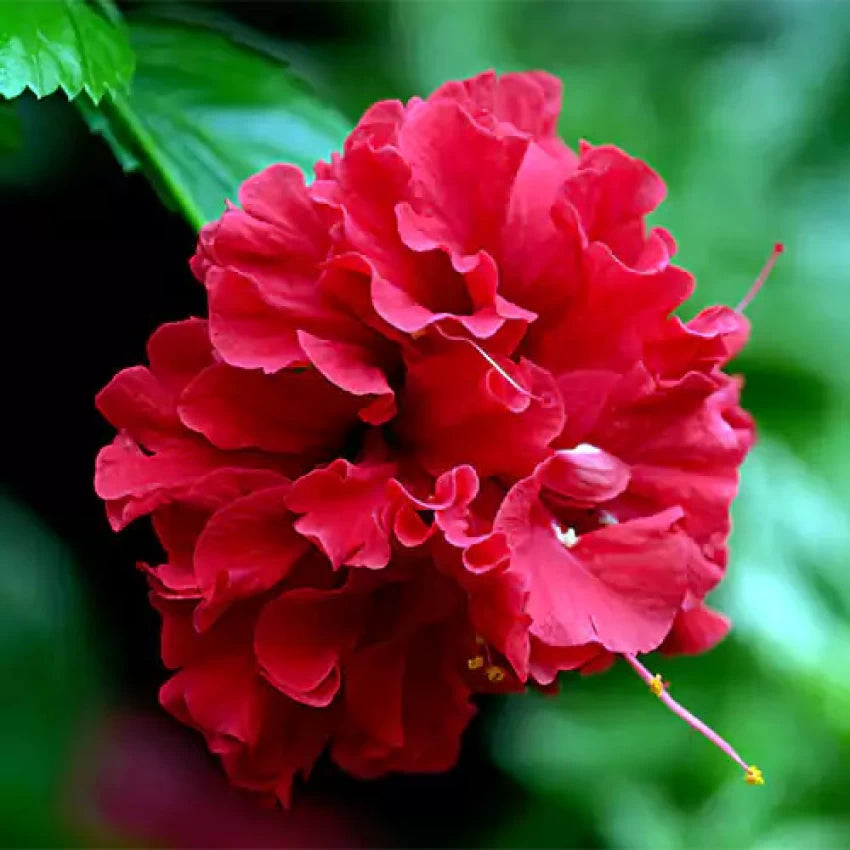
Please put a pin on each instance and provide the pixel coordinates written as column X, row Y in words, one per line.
column 440, row 435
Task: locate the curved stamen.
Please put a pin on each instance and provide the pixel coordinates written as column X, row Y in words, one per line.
column 752, row 775
column 778, row 248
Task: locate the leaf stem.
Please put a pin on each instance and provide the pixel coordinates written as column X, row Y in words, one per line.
column 124, row 112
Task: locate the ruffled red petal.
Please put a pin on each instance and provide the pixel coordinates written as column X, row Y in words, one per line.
column 442, row 434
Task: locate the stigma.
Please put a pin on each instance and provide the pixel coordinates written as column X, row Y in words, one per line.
column 753, row 776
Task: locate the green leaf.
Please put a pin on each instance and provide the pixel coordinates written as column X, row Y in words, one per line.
column 52, row 44
column 204, row 114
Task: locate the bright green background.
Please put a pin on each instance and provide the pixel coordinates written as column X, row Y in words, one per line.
column 744, row 108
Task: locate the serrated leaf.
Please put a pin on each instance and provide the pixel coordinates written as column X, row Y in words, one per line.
column 61, row 44
column 204, row 114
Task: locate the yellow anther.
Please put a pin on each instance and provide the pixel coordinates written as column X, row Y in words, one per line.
column 657, row 685
column 495, row 673
column 753, row 776
column 475, row 663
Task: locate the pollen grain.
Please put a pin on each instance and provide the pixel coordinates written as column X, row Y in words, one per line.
column 495, row 673
column 753, row 776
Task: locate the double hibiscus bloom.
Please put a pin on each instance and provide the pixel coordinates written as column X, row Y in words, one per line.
column 440, row 435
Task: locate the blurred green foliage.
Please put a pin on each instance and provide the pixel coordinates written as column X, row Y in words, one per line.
column 744, row 108
column 47, row 672
column 10, row 128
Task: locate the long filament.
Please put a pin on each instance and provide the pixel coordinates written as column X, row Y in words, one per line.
column 514, row 383
column 656, row 686
column 778, row 248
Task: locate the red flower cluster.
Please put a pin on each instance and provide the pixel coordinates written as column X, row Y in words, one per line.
column 440, row 435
